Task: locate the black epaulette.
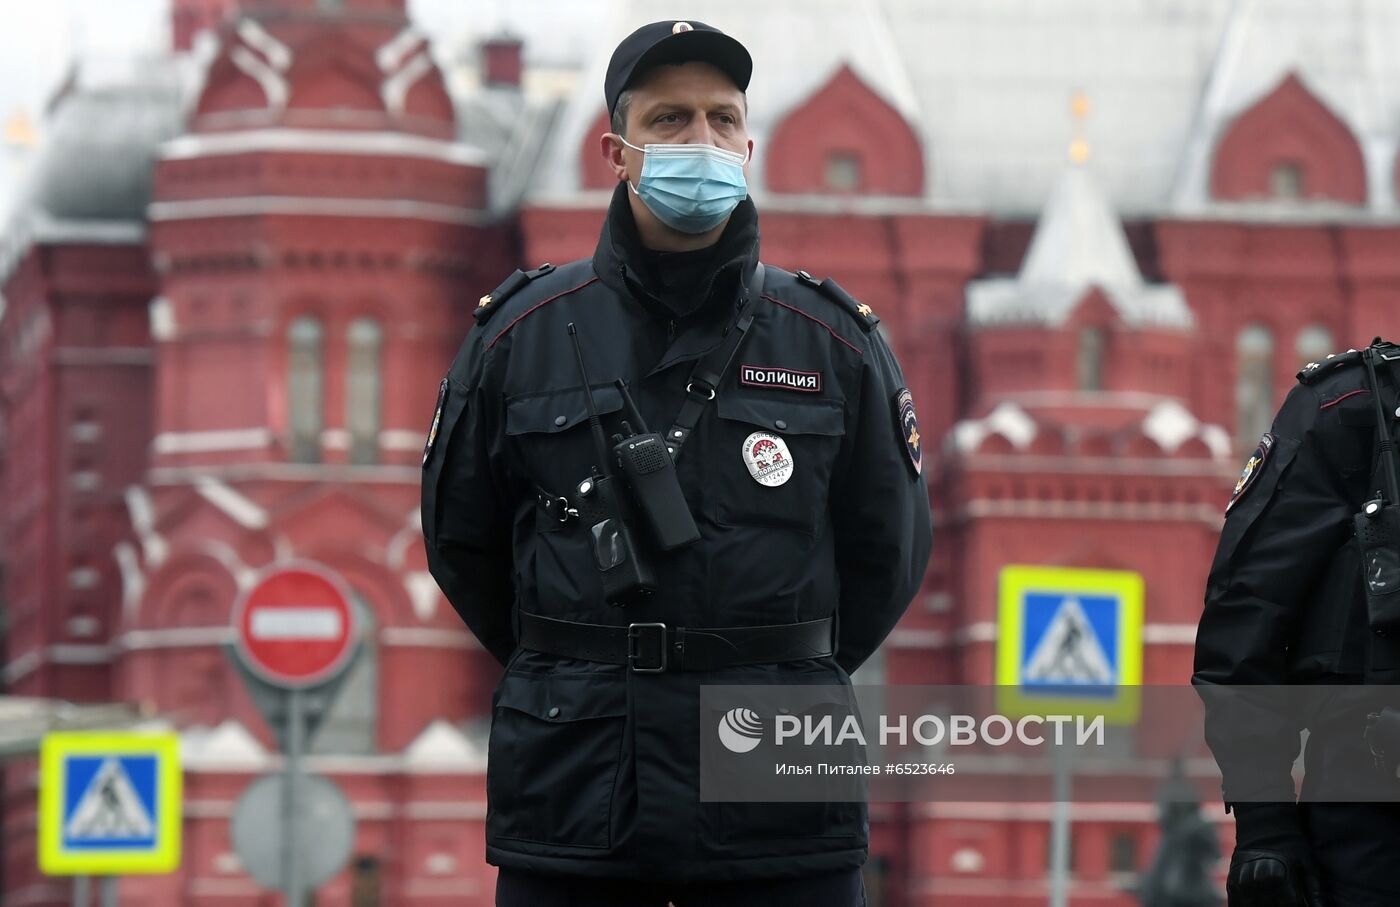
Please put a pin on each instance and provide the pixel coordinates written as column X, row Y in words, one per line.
column 1315, row 370
column 492, row 300
column 832, row 290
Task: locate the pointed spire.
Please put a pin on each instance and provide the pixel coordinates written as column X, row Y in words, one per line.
column 1079, row 244
column 19, row 130
column 1079, row 241
column 1079, row 110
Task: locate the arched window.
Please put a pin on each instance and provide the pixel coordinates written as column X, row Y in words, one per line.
column 305, row 388
column 1313, row 344
column 362, row 389
column 351, row 725
column 1090, row 361
column 1254, row 385
column 1286, row 180
column 843, row 171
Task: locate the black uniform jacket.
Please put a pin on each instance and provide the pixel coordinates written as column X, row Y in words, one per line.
column 592, row 768
column 1285, row 603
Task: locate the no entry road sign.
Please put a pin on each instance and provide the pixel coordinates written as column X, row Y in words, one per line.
column 295, row 627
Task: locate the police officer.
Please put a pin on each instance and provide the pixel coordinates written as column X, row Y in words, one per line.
column 1287, row 602
column 778, row 540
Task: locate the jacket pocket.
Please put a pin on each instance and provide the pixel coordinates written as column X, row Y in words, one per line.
column 827, row 823
column 451, row 402
column 551, row 436
column 774, row 459
column 554, row 756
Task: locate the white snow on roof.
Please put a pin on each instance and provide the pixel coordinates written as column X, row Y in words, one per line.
column 1007, row 419
column 227, row 747
column 1343, row 52
column 1078, row 245
column 442, row 747
column 796, row 48
column 995, row 79
column 1170, row 425
column 987, row 85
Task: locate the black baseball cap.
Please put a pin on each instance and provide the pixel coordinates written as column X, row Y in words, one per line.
column 674, row 41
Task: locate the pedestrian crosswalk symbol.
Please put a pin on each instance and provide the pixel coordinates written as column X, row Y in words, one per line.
column 112, row 810
column 109, row 803
column 1069, row 652
column 1069, row 641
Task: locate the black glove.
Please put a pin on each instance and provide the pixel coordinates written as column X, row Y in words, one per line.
column 1272, row 865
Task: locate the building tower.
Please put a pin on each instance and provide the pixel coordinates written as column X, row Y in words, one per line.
column 315, row 230
column 1079, row 449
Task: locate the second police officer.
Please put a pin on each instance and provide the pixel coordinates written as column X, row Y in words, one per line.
column 1305, row 591
column 778, row 538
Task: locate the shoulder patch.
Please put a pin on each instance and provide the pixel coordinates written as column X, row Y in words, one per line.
column 1252, row 469
column 1315, row 370
column 909, row 429
column 437, row 420
column 833, row 291
column 491, row 302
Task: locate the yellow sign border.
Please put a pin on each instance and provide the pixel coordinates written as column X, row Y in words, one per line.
column 55, row 750
column 1014, row 581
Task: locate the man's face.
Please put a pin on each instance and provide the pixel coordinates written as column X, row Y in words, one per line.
column 692, row 103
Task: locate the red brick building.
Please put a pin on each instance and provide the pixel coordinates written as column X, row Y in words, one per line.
column 238, row 274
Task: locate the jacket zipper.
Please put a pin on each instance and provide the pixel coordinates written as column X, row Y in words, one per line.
column 670, row 324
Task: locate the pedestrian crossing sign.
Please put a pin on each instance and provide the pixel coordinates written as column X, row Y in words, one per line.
column 1069, row 642
column 109, row 803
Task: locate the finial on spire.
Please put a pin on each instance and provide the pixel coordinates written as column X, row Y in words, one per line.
column 1079, row 145
column 19, row 130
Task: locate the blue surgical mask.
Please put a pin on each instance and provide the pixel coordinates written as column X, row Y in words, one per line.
column 690, row 188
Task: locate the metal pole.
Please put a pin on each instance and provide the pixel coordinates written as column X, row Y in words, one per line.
column 109, row 891
column 291, row 856
column 82, row 891
column 1059, row 827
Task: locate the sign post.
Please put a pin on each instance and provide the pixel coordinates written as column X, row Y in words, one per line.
column 296, row 722
column 1069, row 642
column 295, row 630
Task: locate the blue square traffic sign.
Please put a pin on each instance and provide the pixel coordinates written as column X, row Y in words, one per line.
column 1069, row 643
column 110, row 802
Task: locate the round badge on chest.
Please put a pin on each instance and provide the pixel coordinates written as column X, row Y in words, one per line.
column 768, row 458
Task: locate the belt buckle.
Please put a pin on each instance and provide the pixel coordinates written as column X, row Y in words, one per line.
column 634, row 633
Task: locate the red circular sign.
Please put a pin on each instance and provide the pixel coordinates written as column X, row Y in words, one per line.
column 295, row 627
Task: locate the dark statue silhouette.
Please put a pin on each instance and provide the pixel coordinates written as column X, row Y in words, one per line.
column 1181, row 870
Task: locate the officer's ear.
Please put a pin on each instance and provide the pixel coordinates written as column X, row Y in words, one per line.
column 615, row 154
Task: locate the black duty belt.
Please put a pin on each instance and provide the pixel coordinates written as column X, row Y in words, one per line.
column 650, row 648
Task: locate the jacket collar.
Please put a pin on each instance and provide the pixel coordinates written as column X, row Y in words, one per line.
column 618, row 259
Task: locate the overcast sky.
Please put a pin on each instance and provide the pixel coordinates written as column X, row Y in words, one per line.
column 39, row 38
